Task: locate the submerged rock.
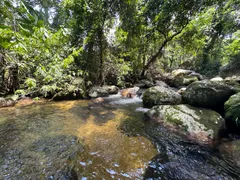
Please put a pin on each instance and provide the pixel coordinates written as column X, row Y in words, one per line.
column 160, row 95
column 208, row 94
column 180, row 158
column 191, row 165
column 10, row 100
column 6, row 102
column 201, row 125
column 231, row 152
column 97, row 91
column 232, row 111
column 98, row 100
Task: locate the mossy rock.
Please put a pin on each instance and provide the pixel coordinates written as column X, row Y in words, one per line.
column 201, row 125
column 232, row 110
column 208, row 94
column 160, row 95
column 182, row 77
column 97, row 91
column 111, row 89
column 184, row 80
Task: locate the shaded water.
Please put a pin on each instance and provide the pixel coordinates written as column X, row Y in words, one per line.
column 81, row 140
column 72, row 139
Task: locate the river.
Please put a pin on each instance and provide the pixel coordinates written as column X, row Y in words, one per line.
column 84, row 140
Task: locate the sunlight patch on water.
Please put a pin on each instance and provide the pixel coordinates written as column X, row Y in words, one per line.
column 116, row 152
column 66, row 105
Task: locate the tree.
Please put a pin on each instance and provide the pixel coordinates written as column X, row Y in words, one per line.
column 168, row 19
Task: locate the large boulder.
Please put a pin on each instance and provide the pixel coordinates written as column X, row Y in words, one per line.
column 208, row 94
column 111, row 89
column 232, row 68
column 144, row 84
column 232, row 110
column 182, row 77
column 233, row 81
column 97, row 91
column 200, row 125
column 160, row 95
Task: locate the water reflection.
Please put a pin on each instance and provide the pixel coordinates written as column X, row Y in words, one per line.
column 71, row 140
column 83, row 140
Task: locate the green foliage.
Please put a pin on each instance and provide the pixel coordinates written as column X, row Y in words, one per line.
column 52, row 42
column 31, row 83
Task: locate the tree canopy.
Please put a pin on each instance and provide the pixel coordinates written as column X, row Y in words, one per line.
column 51, row 42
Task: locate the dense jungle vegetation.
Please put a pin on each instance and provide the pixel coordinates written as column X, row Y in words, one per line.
column 46, row 44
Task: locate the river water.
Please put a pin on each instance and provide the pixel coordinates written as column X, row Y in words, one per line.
column 83, row 140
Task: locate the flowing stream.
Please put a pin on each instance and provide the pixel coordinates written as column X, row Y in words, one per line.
column 82, row 140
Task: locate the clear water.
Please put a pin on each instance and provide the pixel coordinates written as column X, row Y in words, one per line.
column 70, row 139
column 82, row 140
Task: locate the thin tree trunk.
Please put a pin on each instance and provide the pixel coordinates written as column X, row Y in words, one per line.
column 159, row 53
column 153, row 58
column 100, row 36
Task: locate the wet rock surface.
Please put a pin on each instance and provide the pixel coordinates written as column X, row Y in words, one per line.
column 183, row 77
column 98, row 91
column 110, row 140
column 208, row 94
column 200, row 125
column 232, row 112
column 160, row 95
column 181, row 159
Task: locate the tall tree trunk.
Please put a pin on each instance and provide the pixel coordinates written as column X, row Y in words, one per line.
column 100, row 37
column 159, row 53
column 9, row 81
column 2, row 72
column 153, row 58
column 207, row 49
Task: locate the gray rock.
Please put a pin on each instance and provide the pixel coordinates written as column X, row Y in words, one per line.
column 232, row 110
column 182, row 77
column 98, row 91
column 111, row 89
column 161, row 83
column 144, row 84
column 208, row 94
column 160, row 95
column 6, row 102
column 200, row 125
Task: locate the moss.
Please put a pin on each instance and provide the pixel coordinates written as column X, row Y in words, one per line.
column 160, row 95
column 172, row 118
